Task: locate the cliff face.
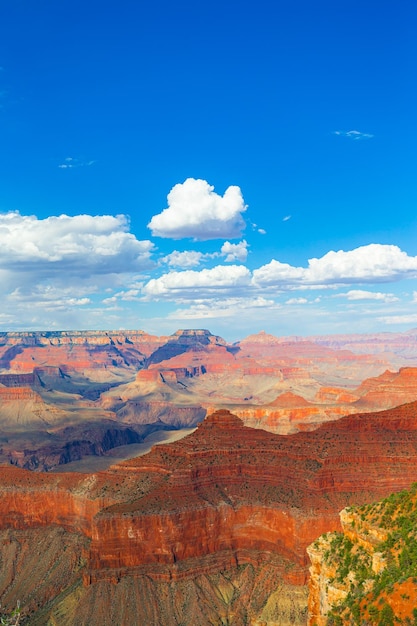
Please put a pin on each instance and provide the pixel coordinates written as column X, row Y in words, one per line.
column 78, row 351
column 256, row 490
column 227, row 499
column 368, row 571
column 389, row 389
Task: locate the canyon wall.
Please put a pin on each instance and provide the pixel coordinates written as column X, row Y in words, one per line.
column 227, row 498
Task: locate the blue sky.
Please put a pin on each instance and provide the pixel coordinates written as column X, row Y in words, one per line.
column 224, row 165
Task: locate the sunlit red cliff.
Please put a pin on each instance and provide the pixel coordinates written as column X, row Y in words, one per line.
column 225, row 497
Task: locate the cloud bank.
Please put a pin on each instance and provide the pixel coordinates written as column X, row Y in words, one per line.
column 375, row 263
column 206, row 281
column 195, row 211
column 51, row 268
column 91, row 271
column 77, row 245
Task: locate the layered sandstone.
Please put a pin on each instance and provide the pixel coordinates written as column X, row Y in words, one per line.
column 389, row 389
column 227, row 498
column 245, row 489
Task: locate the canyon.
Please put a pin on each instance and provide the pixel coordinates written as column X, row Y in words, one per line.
column 228, row 509
column 67, row 395
column 213, row 528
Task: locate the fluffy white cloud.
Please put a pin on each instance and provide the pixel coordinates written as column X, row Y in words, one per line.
column 191, row 283
column 187, row 259
column 196, row 211
column 51, row 269
column 235, row 251
column 276, row 273
column 76, row 245
column 360, row 294
column 375, row 263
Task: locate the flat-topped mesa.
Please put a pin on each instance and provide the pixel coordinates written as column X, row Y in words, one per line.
column 17, row 380
column 184, row 344
column 202, row 334
column 77, row 350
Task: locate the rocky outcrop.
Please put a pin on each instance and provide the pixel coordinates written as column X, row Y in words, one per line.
column 389, row 390
column 368, row 570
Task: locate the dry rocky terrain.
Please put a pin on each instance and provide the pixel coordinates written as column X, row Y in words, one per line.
column 283, row 433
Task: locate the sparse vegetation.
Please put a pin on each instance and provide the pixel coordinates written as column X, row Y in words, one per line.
column 13, row 618
column 369, row 590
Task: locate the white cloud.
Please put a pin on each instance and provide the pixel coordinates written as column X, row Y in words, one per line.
column 76, row 245
column 224, row 307
column 368, row 264
column 187, row 259
column 56, row 265
column 408, row 319
column 297, row 301
column 196, row 211
column 276, row 273
column 286, row 218
column 191, row 283
column 353, row 134
column 360, row 294
column 49, row 296
column 70, row 163
column 235, row 251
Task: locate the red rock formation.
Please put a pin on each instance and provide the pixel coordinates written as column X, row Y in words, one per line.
column 77, row 350
column 288, row 399
column 389, row 390
column 228, row 487
column 224, row 496
column 10, row 394
column 332, row 395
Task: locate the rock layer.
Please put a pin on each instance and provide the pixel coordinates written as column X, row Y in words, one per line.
column 227, row 498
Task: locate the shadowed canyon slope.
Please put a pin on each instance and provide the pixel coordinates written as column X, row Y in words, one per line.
column 213, row 527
